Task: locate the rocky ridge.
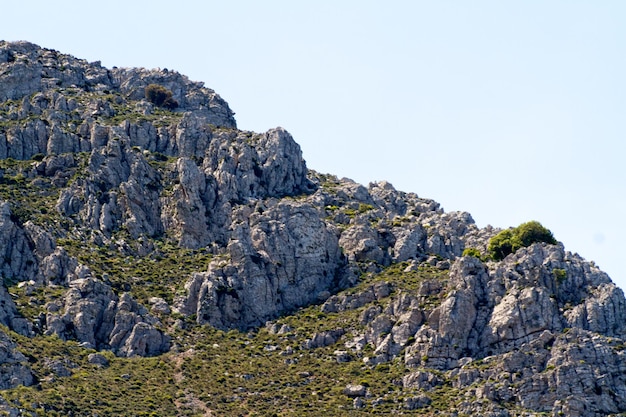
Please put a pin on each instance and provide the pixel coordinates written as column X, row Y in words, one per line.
column 124, row 223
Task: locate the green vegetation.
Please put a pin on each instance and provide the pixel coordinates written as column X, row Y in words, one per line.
column 30, row 198
column 364, row 208
column 230, row 373
column 160, row 274
column 209, row 371
column 160, row 96
column 114, row 108
column 559, row 274
column 510, row 240
column 472, row 252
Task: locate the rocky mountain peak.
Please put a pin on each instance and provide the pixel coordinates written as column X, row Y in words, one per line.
column 78, row 104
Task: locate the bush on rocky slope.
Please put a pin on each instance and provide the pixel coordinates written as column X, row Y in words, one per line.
column 160, row 96
column 510, row 240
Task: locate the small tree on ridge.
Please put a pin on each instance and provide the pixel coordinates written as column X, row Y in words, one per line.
column 160, row 96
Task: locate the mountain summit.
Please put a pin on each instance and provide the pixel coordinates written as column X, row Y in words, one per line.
column 157, row 260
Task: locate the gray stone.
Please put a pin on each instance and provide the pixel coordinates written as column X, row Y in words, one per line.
column 59, row 368
column 97, row 316
column 322, row 339
column 14, row 370
column 353, row 390
column 414, row 403
column 159, row 306
column 98, row 359
column 282, row 257
column 342, row 356
column 422, row 380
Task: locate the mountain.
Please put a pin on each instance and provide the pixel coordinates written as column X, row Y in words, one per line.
column 157, row 260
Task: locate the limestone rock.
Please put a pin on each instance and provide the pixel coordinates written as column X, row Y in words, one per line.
column 323, row 339
column 98, row 359
column 187, row 213
column 17, row 261
column 59, row 368
column 14, row 369
column 542, row 329
column 361, row 243
column 338, row 303
column 190, row 95
column 247, row 165
column 342, row 356
column 282, row 256
column 422, row 380
column 413, row 403
column 31, row 69
column 353, row 390
column 92, row 314
column 358, row 403
column 409, row 243
column 159, row 306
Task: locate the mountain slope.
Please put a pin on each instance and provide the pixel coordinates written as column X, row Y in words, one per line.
column 157, row 254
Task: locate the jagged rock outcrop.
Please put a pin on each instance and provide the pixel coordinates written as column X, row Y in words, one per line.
column 247, row 165
column 76, row 104
column 29, row 69
column 17, row 263
column 79, row 107
column 542, row 326
column 14, row 369
column 120, row 190
column 216, row 172
column 539, row 288
column 281, row 256
column 385, row 225
column 18, row 260
column 236, row 168
column 92, row 314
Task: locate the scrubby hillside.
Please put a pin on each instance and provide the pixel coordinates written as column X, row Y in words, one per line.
column 159, row 261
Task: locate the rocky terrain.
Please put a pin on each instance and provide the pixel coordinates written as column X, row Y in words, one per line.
column 157, row 260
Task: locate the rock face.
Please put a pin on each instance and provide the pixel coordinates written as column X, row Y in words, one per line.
column 19, row 260
column 539, row 320
column 91, row 167
column 14, row 369
column 282, row 256
column 29, row 69
column 92, row 314
column 522, row 299
column 80, row 106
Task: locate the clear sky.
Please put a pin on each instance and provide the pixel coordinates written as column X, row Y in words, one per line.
column 512, row 111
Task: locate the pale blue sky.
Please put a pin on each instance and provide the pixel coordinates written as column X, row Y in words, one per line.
column 513, row 111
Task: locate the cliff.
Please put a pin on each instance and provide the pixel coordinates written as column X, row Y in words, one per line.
column 162, row 247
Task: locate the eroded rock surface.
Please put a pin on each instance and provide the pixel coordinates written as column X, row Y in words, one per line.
column 14, row 368
column 281, row 256
column 112, row 172
column 92, row 314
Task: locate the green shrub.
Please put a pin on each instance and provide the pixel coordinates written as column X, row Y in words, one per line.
column 364, row 208
column 531, row 232
column 510, row 240
column 500, row 245
column 472, row 252
column 160, row 96
column 559, row 274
